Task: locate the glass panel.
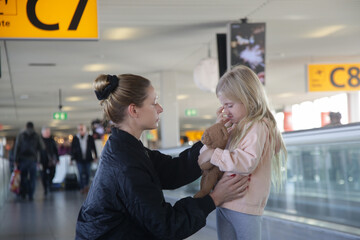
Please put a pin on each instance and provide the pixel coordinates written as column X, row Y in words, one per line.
column 323, row 183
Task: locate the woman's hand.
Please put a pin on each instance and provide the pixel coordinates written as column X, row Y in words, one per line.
column 230, row 187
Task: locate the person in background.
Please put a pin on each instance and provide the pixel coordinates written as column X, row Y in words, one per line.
column 65, row 148
column 12, row 157
column 255, row 147
column 83, row 151
column 49, row 159
column 28, row 147
column 126, row 200
column 335, row 119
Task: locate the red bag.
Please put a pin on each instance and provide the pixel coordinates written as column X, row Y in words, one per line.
column 15, row 181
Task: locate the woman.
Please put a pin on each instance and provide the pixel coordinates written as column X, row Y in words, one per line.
column 126, row 200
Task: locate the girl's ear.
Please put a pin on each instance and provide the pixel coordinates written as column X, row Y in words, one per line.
column 132, row 110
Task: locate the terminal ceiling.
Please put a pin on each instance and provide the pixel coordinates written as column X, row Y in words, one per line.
column 171, row 36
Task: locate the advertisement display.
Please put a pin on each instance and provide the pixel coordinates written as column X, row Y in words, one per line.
column 246, row 46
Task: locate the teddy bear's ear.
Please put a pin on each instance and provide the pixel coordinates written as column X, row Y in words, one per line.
column 205, row 137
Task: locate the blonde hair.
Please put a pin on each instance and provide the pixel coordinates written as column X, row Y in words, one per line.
column 241, row 84
column 131, row 89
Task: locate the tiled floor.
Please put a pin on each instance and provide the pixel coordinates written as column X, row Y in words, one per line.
column 51, row 218
column 54, row 218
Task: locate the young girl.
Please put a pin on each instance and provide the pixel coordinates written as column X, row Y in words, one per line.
column 255, row 147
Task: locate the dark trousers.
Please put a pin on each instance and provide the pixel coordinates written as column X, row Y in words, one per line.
column 28, row 178
column 84, row 173
column 47, row 175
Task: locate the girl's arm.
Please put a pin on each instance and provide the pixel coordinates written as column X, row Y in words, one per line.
column 245, row 158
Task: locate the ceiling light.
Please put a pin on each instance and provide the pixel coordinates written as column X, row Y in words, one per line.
column 120, row 33
column 6, row 127
column 74, row 99
column 208, row 117
column 182, row 97
column 95, row 67
column 326, row 31
column 83, row 86
column 67, row 108
column 24, row 96
column 54, row 123
column 63, row 127
column 285, row 95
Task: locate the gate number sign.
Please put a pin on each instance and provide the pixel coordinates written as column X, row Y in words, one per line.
column 45, row 19
column 333, row 77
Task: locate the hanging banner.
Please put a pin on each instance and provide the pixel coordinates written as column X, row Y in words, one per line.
column 333, row 77
column 45, row 19
column 246, row 46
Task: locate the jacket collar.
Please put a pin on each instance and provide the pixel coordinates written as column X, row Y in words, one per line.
column 124, row 136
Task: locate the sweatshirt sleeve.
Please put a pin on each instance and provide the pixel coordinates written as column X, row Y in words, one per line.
column 245, row 158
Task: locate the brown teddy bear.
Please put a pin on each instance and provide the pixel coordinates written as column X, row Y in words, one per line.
column 215, row 136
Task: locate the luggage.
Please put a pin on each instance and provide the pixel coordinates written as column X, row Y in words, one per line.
column 15, row 181
column 71, row 179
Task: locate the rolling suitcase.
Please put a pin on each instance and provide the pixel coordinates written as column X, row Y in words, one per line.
column 71, row 179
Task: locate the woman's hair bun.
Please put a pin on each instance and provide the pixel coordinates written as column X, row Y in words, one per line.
column 102, row 92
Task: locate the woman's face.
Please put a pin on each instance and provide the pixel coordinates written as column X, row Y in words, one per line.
column 234, row 111
column 149, row 113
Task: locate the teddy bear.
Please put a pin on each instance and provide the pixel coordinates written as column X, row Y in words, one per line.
column 215, row 136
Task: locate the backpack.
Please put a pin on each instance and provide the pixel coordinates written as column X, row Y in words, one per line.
column 28, row 145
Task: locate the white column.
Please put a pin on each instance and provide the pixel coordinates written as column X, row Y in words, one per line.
column 169, row 122
column 353, row 107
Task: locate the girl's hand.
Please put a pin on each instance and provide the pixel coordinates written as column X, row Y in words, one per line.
column 220, row 116
column 205, row 156
column 230, row 187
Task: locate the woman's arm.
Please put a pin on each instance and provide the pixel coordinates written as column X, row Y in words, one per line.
column 179, row 171
column 145, row 203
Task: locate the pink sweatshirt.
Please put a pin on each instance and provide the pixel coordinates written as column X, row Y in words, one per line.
column 252, row 156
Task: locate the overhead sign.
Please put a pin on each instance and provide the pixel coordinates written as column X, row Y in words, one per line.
column 190, row 112
column 333, row 77
column 45, row 19
column 60, row 115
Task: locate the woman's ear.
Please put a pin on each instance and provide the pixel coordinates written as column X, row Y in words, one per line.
column 132, row 110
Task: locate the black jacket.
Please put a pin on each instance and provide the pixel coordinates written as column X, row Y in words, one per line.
column 126, row 200
column 50, row 156
column 76, row 153
column 36, row 142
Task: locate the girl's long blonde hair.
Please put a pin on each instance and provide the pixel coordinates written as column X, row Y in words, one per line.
column 241, row 84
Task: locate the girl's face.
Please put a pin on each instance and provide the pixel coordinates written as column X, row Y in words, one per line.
column 234, row 111
column 150, row 111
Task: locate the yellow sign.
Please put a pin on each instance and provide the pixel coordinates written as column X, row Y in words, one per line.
column 48, row 19
column 194, row 135
column 333, row 77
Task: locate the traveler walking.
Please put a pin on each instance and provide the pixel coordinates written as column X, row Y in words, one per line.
column 28, row 148
column 83, row 151
column 49, row 159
